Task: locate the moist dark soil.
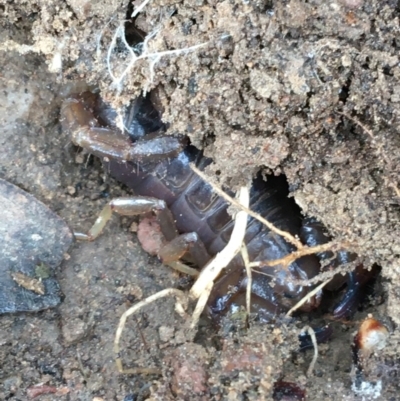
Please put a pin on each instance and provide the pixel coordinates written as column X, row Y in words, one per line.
column 309, row 89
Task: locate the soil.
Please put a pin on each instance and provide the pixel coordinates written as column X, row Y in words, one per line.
column 305, row 88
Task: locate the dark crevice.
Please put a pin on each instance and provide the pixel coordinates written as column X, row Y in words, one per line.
column 208, row 139
column 387, row 71
column 345, row 91
column 365, row 65
column 373, row 26
column 134, row 36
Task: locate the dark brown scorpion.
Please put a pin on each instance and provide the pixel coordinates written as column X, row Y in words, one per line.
column 195, row 221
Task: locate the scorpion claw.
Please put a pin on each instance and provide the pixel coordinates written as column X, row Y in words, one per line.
column 86, row 131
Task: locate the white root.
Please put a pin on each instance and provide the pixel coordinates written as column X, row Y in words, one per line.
column 212, row 270
column 202, row 288
column 246, row 260
column 201, row 304
column 139, row 8
column 180, row 307
column 311, row 332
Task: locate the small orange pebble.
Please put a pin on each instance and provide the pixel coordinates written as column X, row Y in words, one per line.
column 150, row 236
column 351, row 19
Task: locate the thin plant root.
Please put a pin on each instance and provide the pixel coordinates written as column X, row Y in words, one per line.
column 180, row 306
column 342, row 269
column 311, row 332
column 291, row 257
column 327, row 275
column 246, row 260
column 307, row 297
column 139, row 8
column 201, row 304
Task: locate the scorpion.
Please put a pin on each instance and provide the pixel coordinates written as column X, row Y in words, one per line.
column 194, row 220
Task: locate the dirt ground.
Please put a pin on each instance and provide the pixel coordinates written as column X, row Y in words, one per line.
column 278, row 85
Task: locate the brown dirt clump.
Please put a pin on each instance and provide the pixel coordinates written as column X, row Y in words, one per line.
column 308, row 89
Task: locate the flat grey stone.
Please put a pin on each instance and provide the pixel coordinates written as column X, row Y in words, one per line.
column 33, row 239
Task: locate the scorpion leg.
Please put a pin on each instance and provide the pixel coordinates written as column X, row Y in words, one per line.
column 356, row 281
column 132, row 207
column 183, row 244
column 174, row 250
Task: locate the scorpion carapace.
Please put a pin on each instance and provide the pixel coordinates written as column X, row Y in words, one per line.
column 193, row 218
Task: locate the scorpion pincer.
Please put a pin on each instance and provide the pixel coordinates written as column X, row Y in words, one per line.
column 195, row 221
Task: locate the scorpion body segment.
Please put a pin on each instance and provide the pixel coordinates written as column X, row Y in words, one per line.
column 156, row 165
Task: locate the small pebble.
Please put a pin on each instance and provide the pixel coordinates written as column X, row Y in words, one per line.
column 80, row 158
column 73, row 330
column 165, row 333
column 71, row 190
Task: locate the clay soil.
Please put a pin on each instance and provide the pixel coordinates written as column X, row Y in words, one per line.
column 276, row 85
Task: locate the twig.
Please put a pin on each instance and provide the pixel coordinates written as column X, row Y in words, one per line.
column 290, row 238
